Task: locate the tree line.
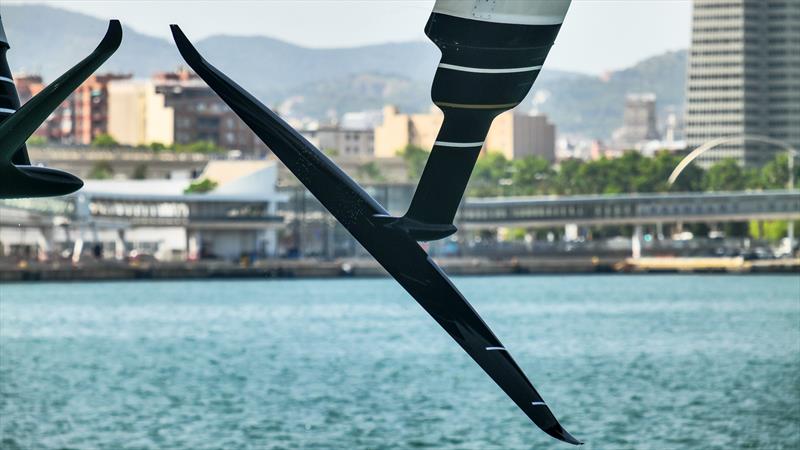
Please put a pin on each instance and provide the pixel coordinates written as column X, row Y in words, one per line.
column 494, row 175
column 105, row 140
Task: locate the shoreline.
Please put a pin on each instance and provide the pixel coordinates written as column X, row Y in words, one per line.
column 366, row 268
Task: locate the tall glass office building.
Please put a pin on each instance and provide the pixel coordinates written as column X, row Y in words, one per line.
column 744, row 77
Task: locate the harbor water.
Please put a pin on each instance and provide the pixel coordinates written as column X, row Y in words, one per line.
column 626, row 362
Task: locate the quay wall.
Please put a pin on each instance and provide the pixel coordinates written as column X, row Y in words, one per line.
column 96, row 271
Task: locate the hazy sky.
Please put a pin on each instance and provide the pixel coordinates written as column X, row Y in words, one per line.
column 597, row 35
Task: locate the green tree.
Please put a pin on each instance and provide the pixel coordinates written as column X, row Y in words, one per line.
column 36, row 141
column 198, row 147
column 632, row 172
column 752, row 178
column 725, row 175
column 491, row 169
column 104, row 140
column 775, row 174
column 371, row 171
column 200, row 187
column 595, row 177
column 516, row 234
column 140, row 172
column 157, row 146
column 532, row 175
column 690, row 179
column 566, row 177
column 415, row 158
column 771, row 230
column 101, row 170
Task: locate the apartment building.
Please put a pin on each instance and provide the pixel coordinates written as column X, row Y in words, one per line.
column 513, row 134
column 176, row 108
column 90, row 107
column 341, row 141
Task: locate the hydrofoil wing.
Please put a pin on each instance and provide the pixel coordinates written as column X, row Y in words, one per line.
column 392, row 247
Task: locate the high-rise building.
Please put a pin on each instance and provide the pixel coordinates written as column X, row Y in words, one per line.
column 638, row 121
column 513, row 134
column 744, row 77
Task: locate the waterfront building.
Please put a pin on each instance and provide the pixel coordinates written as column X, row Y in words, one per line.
column 79, row 118
column 176, row 108
column 337, row 140
column 638, row 122
column 399, row 130
column 137, row 114
column 115, row 218
column 598, row 149
column 28, row 85
column 513, row 134
column 575, row 148
column 245, row 215
column 90, row 107
column 362, row 120
column 517, row 136
column 743, row 77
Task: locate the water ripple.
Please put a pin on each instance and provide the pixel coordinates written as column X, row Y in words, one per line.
column 665, row 362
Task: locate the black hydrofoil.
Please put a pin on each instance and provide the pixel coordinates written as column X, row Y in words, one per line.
column 473, row 84
column 18, row 178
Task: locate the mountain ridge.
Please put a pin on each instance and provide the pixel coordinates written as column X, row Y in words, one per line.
column 319, row 81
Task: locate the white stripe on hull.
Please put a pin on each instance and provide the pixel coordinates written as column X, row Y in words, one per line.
column 483, row 70
column 509, row 19
column 7, row 110
column 458, row 144
column 6, row 79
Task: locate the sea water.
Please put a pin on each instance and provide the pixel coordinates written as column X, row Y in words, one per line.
column 625, row 362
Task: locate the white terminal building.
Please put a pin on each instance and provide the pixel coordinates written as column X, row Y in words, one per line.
column 237, row 219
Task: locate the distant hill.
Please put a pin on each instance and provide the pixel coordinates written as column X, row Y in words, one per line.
column 316, row 82
column 355, row 92
column 48, row 41
column 578, row 104
column 593, row 106
column 53, row 39
column 273, row 67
